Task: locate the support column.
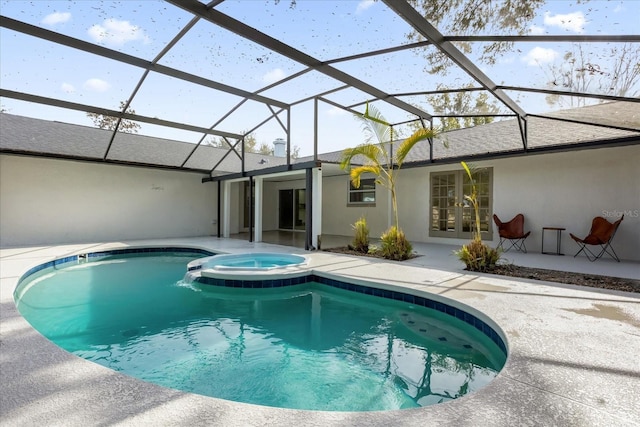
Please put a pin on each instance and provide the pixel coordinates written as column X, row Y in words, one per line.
column 226, row 209
column 251, row 209
column 316, row 221
column 258, row 188
column 308, row 220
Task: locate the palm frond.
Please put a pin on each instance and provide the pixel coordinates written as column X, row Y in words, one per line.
column 471, row 171
column 371, row 152
column 406, row 145
column 374, row 125
column 356, row 173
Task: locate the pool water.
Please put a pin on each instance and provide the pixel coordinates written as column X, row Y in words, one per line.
column 252, row 261
column 306, row 346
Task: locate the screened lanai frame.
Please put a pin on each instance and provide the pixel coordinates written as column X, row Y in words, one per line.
column 278, row 111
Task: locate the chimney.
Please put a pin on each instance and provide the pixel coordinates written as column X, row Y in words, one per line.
column 280, row 147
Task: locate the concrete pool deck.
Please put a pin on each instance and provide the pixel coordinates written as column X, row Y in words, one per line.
column 574, row 352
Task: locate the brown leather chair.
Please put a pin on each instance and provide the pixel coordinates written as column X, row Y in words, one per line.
column 512, row 232
column 601, row 234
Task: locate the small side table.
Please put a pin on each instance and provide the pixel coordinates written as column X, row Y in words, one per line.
column 558, row 231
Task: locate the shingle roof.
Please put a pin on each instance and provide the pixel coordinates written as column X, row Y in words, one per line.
column 504, row 136
column 43, row 137
column 28, row 135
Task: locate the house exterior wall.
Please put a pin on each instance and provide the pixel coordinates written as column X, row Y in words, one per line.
column 338, row 216
column 46, row 201
column 552, row 190
column 568, row 190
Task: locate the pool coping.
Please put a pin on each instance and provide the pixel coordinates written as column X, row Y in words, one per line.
column 565, row 367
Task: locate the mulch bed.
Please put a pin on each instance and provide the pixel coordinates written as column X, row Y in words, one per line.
column 590, row 280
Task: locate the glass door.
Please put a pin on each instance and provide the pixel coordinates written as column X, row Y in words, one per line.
column 451, row 215
column 292, row 209
column 285, row 217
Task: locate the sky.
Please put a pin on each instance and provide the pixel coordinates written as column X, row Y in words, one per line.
column 323, row 29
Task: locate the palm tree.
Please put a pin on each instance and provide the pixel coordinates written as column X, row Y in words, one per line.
column 378, row 160
column 476, row 255
column 473, row 198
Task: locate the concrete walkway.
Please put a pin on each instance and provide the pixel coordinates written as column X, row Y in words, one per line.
column 573, row 351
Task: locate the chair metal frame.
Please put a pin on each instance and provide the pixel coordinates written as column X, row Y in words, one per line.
column 517, row 241
column 605, row 246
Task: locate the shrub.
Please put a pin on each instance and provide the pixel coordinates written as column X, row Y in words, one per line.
column 394, row 245
column 477, row 256
column 361, row 238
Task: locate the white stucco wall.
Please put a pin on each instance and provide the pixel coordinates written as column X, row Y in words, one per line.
column 44, row 201
column 568, row 190
column 557, row 189
column 337, row 216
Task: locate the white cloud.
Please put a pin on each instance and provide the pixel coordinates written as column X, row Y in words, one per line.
column 96, row 85
column 67, row 87
column 56, row 18
column 114, row 32
column 534, row 30
column 571, row 21
column 364, row 5
column 539, row 55
column 273, row 76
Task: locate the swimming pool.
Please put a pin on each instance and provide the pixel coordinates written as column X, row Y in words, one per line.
column 310, row 343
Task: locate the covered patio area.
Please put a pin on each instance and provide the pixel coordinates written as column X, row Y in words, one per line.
column 436, row 255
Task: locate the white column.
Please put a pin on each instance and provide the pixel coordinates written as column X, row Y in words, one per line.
column 316, row 226
column 257, row 215
column 226, row 209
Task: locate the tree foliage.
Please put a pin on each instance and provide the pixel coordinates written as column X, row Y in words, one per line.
column 471, row 17
column 461, row 103
column 109, row 122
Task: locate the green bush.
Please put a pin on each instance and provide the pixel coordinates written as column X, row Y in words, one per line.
column 394, row 245
column 477, row 256
column 361, row 239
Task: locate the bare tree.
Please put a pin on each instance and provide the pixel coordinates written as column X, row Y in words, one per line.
column 109, row 122
column 614, row 71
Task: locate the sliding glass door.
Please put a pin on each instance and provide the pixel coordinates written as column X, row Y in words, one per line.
column 292, row 209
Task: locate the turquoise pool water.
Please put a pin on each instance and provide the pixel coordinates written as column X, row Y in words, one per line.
column 305, row 346
column 251, row 261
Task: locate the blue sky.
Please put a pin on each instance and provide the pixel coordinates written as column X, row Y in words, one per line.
column 324, row 29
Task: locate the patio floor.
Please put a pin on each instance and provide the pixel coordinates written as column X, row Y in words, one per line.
column 573, row 351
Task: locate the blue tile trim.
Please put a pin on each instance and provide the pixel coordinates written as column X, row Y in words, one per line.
column 75, row 258
column 382, row 293
column 128, row 251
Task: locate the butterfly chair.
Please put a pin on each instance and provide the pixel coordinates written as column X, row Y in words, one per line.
column 601, row 234
column 512, row 233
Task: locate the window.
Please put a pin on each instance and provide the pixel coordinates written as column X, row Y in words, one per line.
column 365, row 194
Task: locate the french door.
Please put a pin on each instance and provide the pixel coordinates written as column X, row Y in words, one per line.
column 451, row 215
column 292, row 209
